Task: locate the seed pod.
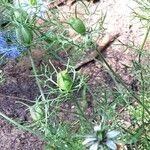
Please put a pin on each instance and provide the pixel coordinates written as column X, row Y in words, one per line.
column 33, row 2
column 20, row 15
column 36, row 112
column 24, row 35
column 64, row 81
column 50, row 37
column 78, row 25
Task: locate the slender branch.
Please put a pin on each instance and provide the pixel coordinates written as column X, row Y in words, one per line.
column 118, row 78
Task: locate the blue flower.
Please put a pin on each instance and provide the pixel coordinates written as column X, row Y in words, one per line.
column 12, row 52
column 9, row 47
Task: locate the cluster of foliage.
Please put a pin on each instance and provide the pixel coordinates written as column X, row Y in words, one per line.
column 23, row 34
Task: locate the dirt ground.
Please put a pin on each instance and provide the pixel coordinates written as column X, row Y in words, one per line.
column 20, row 86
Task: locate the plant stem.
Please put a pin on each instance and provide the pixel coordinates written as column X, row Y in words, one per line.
column 143, row 43
column 20, row 126
column 118, row 78
column 82, row 113
column 40, row 88
column 142, row 78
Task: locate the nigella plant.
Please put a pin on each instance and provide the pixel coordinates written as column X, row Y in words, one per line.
column 100, row 139
column 9, row 47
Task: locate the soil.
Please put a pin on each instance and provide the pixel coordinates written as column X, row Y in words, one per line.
column 20, row 86
column 15, row 139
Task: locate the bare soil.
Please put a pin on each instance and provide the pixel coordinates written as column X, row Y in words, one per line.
column 19, row 86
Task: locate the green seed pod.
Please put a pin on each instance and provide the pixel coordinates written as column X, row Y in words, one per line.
column 20, row 15
column 24, row 35
column 64, row 81
column 33, row 2
column 50, row 37
column 36, row 112
column 78, row 25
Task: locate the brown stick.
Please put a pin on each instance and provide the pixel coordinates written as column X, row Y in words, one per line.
column 57, row 3
column 74, row 1
column 106, row 42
